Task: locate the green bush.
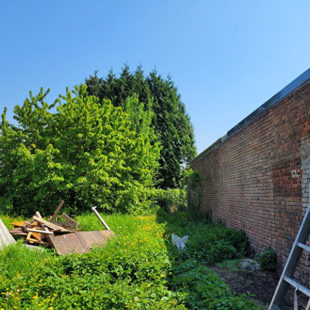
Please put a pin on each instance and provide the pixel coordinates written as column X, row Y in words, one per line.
column 170, row 121
column 215, row 243
column 268, row 260
column 207, row 242
column 171, row 200
column 205, row 290
column 86, row 154
column 194, row 195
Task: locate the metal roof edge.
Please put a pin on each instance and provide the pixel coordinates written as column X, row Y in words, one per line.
column 294, row 85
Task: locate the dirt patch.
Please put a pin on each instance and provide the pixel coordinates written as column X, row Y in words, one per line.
column 257, row 283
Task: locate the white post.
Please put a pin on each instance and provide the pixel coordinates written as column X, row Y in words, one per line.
column 100, row 218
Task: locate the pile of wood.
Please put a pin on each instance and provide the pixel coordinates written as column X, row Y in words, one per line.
column 38, row 231
column 63, row 236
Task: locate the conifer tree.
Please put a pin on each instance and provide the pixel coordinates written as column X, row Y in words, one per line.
column 170, row 121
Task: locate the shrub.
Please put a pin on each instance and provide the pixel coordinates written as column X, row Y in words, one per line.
column 171, row 200
column 170, row 121
column 215, row 243
column 205, row 290
column 268, row 260
column 85, row 153
column 194, row 195
column 207, row 242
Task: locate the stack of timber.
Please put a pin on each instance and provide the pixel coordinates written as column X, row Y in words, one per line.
column 63, row 236
column 37, row 230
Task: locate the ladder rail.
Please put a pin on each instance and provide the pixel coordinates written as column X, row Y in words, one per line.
column 297, row 286
column 292, row 261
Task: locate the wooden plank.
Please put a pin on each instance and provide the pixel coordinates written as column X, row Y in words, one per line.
column 32, row 240
column 67, row 226
column 69, row 220
column 27, row 223
column 29, row 236
column 54, row 218
column 35, row 241
column 18, row 231
column 33, row 224
column 39, row 231
column 50, row 225
column 79, row 242
column 36, row 235
column 18, row 224
column 39, row 216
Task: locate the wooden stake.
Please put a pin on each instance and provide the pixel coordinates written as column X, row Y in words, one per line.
column 69, row 220
column 54, row 218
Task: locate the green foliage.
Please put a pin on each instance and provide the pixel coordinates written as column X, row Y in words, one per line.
column 171, row 199
column 85, row 153
column 207, row 242
column 268, row 260
column 230, row 264
column 194, row 195
column 170, row 121
column 205, row 290
column 138, row 269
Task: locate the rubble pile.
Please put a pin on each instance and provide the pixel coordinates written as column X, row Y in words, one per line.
column 37, row 230
column 63, row 236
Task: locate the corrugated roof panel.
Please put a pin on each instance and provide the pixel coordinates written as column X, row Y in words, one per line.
column 5, row 237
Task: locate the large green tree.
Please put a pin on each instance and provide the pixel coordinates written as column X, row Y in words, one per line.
column 170, row 121
column 86, row 153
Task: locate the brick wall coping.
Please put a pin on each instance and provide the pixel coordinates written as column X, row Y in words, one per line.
column 299, row 82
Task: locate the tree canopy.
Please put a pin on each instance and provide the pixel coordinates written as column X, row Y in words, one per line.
column 170, row 121
column 86, row 153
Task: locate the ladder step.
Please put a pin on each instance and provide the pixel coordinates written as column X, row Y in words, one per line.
column 291, row 264
column 297, row 285
column 303, row 246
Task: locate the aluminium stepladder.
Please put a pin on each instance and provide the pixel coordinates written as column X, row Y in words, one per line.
column 290, row 266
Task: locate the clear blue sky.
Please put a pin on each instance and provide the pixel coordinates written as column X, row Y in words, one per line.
column 226, row 57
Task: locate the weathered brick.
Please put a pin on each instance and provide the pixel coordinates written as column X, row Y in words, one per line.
column 258, row 178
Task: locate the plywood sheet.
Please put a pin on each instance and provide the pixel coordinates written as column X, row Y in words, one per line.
column 79, row 242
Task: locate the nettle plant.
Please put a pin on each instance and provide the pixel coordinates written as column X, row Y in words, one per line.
column 87, row 153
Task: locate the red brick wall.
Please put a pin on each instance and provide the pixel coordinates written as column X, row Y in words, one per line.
column 258, row 178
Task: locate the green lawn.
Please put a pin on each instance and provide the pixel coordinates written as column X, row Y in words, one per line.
column 138, row 269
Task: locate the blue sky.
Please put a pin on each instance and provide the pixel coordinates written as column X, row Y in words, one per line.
column 226, row 57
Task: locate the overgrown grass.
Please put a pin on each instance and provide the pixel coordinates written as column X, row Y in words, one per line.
column 138, row 269
column 230, row 264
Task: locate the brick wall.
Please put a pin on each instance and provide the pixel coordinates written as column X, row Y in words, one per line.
column 257, row 179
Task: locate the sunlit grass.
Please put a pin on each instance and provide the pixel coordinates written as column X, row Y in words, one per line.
column 138, row 269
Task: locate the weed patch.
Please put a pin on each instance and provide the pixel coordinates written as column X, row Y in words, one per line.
column 138, row 269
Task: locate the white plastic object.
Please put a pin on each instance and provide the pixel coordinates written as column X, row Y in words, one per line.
column 179, row 242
